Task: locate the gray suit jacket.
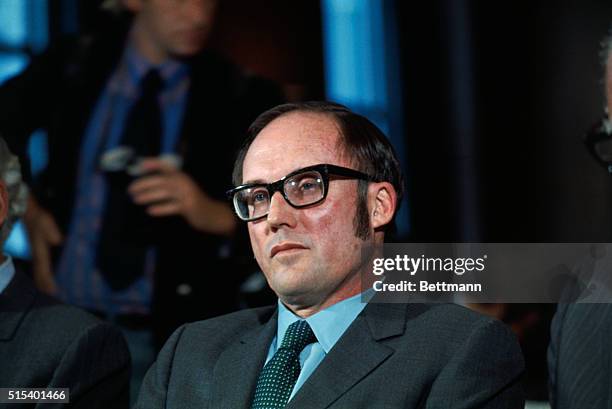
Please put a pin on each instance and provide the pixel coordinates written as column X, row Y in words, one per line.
column 45, row 344
column 392, row 356
column 580, row 357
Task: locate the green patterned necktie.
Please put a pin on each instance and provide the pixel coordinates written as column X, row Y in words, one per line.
column 279, row 375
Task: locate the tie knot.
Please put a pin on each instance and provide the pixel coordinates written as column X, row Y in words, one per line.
column 298, row 335
column 152, row 82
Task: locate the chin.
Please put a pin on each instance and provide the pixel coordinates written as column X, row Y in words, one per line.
column 187, row 51
column 291, row 290
column 295, row 299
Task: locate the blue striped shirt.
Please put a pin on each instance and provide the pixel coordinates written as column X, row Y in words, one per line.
column 77, row 276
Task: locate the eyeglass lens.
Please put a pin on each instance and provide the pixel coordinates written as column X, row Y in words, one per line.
column 300, row 190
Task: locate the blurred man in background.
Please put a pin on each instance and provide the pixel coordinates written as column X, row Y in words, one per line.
column 44, row 344
column 142, row 122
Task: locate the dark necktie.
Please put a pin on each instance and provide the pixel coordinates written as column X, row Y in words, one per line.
column 278, row 377
column 143, row 126
column 126, row 229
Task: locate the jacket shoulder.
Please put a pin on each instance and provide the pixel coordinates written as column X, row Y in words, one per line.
column 54, row 329
column 439, row 331
column 71, row 320
column 455, row 313
column 58, row 345
column 214, row 334
column 468, row 322
column 231, row 324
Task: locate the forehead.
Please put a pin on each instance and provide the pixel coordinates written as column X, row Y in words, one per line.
column 292, row 141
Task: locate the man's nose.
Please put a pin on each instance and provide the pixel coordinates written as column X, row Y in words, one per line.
column 280, row 213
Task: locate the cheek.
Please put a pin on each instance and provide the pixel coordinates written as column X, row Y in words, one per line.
column 332, row 228
column 256, row 243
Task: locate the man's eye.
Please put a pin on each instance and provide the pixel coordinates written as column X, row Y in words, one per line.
column 258, row 197
column 308, row 185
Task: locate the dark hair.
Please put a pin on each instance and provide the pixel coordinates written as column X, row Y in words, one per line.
column 361, row 140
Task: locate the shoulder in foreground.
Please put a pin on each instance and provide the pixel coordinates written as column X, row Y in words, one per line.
column 62, row 320
column 63, row 339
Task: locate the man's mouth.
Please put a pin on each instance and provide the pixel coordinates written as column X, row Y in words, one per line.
column 285, row 247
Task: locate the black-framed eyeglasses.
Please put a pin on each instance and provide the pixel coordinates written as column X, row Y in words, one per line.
column 301, row 188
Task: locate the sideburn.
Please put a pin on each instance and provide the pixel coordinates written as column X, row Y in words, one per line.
column 361, row 222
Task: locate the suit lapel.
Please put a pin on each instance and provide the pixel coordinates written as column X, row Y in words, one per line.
column 355, row 355
column 15, row 302
column 236, row 372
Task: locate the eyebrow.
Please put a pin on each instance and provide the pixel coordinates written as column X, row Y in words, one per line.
column 255, row 182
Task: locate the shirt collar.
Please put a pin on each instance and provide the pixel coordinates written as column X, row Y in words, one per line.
column 7, row 271
column 171, row 71
column 328, row 325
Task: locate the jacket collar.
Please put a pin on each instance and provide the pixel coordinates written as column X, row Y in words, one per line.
column 339, row 371
column 237, row 370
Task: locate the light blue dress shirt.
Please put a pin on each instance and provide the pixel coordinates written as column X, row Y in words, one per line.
column 328, row 326
column 7, row 271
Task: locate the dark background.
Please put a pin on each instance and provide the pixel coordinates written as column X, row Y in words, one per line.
column 536, row 88
column 525, row 76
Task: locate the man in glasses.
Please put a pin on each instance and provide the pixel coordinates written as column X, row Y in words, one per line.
column 317, row 185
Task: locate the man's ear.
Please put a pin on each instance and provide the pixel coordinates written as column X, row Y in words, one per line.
column 382, row 202
column 3, row 203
